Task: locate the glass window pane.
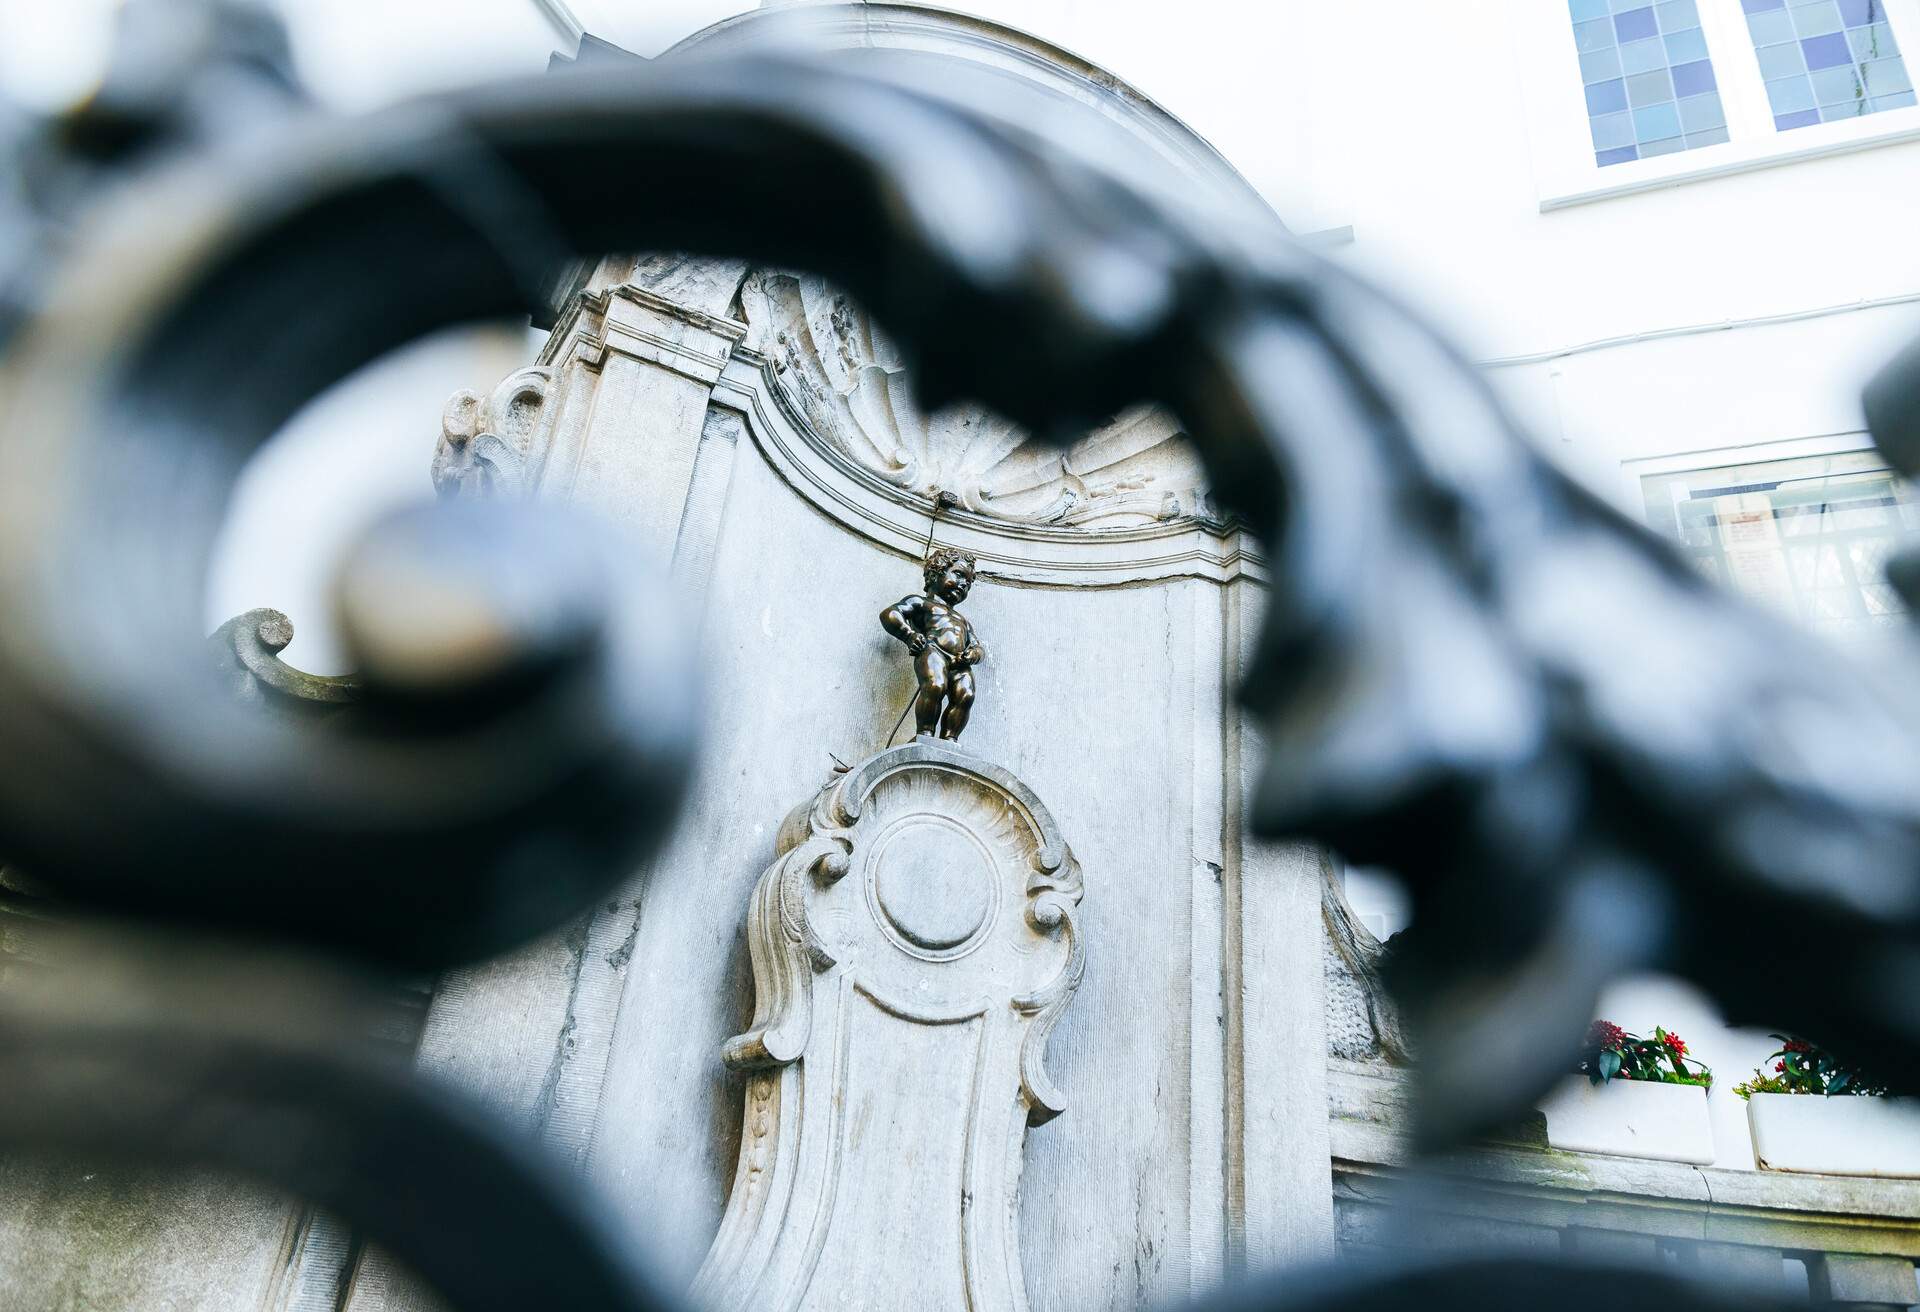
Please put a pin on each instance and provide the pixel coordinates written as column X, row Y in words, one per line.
column 1808, row 536
column 1656, row 123
column 1769, row 28
column 1635, row 24
column 1846, row 49
column 1886, row 75
column 1611, row 131
column 1596, row 35
column 1606, row 97
column 1826, row 51
column 1650, row 89
column 1780, row 61
column 1692, row 79
column 1837, row 86
column 1685, row 47
column 1816, row 19
column 1872, row 41
column 1584, row 10
column 1599, row 65
column 1642, row 56
column 1635, row 64
column 1676, row 15
column 1699, row 113
column 1790, row 94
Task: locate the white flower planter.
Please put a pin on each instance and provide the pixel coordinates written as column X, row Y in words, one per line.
column 1630, row 1118
column 1836, row 1136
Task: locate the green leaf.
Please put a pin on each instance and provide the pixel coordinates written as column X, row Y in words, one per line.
column 1609, row 1066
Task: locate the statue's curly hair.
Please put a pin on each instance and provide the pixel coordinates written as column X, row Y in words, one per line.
column 940, row 559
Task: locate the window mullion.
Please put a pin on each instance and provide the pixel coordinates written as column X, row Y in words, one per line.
column 1742, row 93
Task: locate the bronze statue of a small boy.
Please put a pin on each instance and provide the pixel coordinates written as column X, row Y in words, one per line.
column 943, row 644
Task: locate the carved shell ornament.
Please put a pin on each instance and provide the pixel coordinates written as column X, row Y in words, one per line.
column 845, row 378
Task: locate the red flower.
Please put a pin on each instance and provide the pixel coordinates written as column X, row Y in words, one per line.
column 1797, row 1045
column 1604, row 1034
column 1780, row 1066
column 1674, row 1041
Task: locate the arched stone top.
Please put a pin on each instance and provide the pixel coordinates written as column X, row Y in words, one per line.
column 1106, row 540
column 821, row 390
column 836, row 369
column 845, row 827
column 1028, row 81
column 1049, row 848
column 840, row 379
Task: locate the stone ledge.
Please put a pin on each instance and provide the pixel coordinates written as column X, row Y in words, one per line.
column 1844, row 1214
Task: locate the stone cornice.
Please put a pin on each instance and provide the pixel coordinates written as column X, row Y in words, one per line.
column 632, row 321
column 643, row 325
column 729, row 329
column 1009, row 552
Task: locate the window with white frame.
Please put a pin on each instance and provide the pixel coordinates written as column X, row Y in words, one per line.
column 1648, row 78
column 1827, row 59
column 1809, row 535
column 1673, row 89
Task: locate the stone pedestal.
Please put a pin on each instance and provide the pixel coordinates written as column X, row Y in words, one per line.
column 912, row 943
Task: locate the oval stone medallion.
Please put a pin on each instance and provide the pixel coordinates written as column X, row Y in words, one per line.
column 934, row 883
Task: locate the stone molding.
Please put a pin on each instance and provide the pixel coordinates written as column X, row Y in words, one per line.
column 1011, row 552
column 500, row 444
column 631, row 320
column 840, row 372
column 913, row 943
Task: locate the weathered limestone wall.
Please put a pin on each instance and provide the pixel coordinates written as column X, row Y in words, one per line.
column 1108, row 703
column 83, row 1234
column 1194, row 1138
column 105, row 1235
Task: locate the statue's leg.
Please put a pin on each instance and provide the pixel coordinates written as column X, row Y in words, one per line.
column 931, row 667
column 959, row 703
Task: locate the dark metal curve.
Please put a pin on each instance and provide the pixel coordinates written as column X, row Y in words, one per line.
column 1469, row 666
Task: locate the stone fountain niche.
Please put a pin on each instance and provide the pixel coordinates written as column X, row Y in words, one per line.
column 884, row 993
column 912, row 943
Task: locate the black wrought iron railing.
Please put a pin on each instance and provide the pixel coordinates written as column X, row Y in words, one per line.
column 1581, row 758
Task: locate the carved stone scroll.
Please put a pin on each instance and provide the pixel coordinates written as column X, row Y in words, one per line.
column 912, row 943
column 486, row 443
